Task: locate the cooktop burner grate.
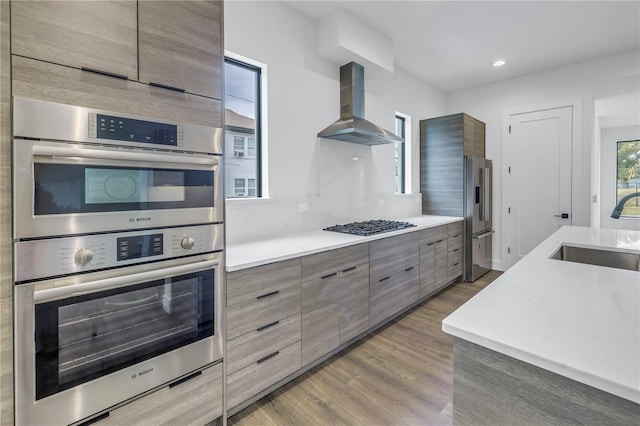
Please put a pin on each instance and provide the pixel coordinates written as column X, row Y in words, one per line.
column 370, row 227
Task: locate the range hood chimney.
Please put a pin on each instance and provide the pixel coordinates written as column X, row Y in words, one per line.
column 352, row 127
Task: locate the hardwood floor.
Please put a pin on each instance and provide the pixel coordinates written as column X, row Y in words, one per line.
column 402, row 374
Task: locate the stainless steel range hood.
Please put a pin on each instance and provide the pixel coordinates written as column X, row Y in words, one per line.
column 352, row 127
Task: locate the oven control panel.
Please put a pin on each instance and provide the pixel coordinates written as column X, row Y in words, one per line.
column 69, row 255
column 102, row 126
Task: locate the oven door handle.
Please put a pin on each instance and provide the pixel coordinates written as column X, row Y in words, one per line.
column 126, row 155
column 49, row 294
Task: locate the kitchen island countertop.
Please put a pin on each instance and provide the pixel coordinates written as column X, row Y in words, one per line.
column 256, row 253
column 577, row 320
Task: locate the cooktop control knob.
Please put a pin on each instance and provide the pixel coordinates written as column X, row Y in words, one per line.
column 83, row 256
column 187, row 243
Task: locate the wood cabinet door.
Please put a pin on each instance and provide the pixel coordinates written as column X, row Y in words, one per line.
column 393, row 254
column 391, row 294
column 180, row 45
column 320, row 317
column 427, row 269
column 441, row 266
column 100, row 35
column 354, row 301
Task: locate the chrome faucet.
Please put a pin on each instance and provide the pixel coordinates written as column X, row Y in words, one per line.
column 618, row 208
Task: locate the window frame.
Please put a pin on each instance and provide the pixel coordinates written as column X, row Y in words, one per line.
column 260, row 71
column 404, row 184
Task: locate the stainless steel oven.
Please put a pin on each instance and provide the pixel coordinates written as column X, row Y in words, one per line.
column 145, row 311
column 82, row 170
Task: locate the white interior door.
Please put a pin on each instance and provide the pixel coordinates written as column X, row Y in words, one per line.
column 539, row 177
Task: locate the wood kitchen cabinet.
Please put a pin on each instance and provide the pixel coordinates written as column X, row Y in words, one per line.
column 169, row 44
column 444, row 142
column 263, row 327
column 354, row 301
column 180, row 45
column 320, row 321
column 394, row 275
column 454, row 250
column 101, row 35
column 335, row 299
column 433, row 245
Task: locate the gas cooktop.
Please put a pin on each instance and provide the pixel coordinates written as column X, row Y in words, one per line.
column 370, row 227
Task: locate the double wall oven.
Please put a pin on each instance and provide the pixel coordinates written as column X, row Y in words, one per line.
column 118, row 244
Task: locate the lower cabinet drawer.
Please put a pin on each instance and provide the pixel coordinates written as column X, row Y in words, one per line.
column 454, row 243
column 454, row 263
column 394, row 293
column 265, row 340
column 195, row 401
column 258, row 376
column 456, row 228
column 264, row 309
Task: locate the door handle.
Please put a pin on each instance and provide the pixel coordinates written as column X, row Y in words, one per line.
column 562, row 215
column 483, row 235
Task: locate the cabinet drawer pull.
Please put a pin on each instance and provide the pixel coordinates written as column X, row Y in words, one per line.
column 408, row 269
column 264, row 327
column 431, row 243
column 164, row 86
column 108, row 74
column 455, row 236
column 184, row 379
column 455, row 250
column 261, row 360
column 349, row 269
column 330, row 275
column 384, row 279
column 268, row 294
column 94, row 420
column 439, row 241
column 456, row 264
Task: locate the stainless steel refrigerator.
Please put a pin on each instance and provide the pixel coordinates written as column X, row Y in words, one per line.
column 478, row 181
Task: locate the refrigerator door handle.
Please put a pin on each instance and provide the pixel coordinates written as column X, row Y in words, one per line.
column 483, row 235
column 486, row 201
column 482, row 195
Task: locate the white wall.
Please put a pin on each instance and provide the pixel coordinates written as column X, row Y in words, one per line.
column 608, row 157
column 567, row 85
column 303, row 98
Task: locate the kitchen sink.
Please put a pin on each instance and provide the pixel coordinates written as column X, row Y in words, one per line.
column 599, row 257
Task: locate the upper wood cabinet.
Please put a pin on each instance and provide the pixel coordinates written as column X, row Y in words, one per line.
column 444, row 142
column 101, row 35
column 170, row 44
column 180, row 45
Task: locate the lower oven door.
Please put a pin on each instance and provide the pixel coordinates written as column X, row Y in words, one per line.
column 85, row 347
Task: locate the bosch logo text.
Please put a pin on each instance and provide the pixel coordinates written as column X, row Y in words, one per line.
column 139, row 219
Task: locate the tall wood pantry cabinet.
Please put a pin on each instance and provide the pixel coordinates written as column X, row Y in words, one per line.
column 444, row 142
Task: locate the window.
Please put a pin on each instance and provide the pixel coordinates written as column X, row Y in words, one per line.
column 242, row 129
column 244, row 187
column 238, row 146
column 628, row 176
column 400, row 155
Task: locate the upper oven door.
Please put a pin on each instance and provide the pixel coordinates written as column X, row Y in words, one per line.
column 68, row 188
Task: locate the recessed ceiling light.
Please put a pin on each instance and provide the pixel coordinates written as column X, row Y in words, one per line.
column 499, row 63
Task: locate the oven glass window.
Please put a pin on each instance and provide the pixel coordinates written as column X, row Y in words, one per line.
column 64, row 188
column 85, row 337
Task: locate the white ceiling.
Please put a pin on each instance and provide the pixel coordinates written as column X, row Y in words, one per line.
column 452, row 44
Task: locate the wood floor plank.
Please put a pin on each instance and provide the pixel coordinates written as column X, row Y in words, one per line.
column 402, row 374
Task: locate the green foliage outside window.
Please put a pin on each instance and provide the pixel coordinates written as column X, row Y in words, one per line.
column 628, row 175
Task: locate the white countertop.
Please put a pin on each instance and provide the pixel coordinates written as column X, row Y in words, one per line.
column 241, row 256
column 580, row 321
